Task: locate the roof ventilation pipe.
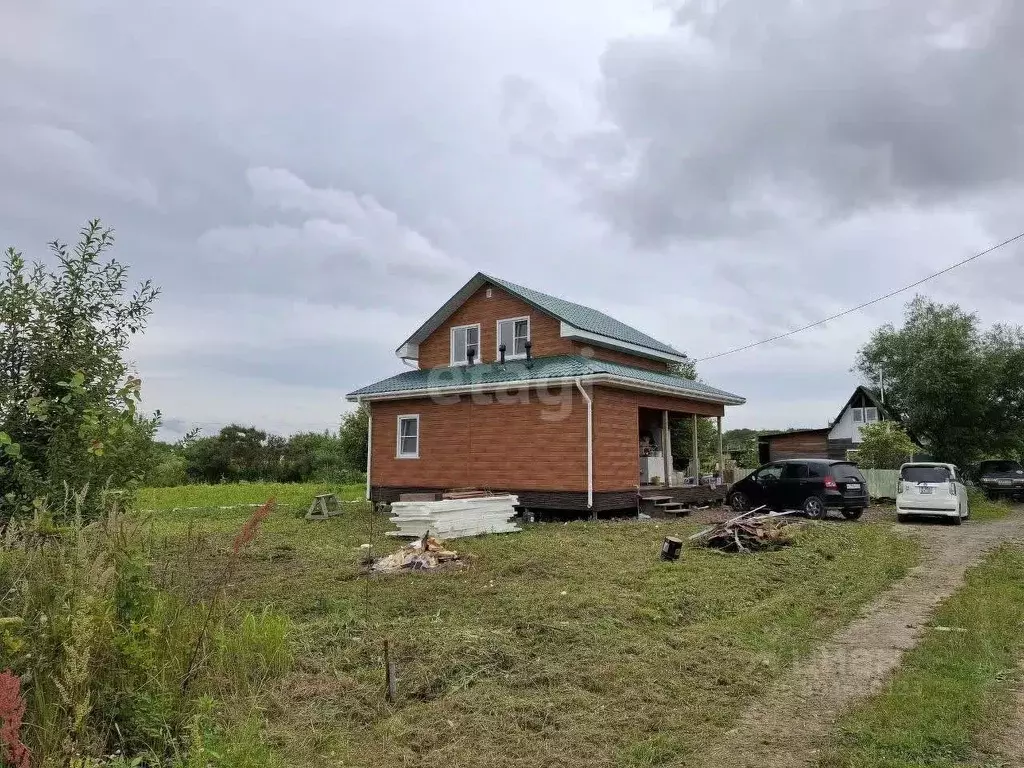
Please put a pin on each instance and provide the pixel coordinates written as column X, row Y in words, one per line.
column 501, row 354
column 470, row 354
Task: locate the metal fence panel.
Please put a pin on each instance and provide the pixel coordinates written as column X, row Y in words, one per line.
column 881, row 482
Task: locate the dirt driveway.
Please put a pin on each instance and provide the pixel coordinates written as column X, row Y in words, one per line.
column 786, row 727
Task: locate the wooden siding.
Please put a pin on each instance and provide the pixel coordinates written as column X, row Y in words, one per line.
column 615, row 356
column 799, row 445
column 545, row 330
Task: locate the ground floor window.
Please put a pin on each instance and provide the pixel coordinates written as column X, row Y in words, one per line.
column 409, row 436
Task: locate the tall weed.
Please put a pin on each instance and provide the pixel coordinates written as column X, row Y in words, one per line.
column 110, row 664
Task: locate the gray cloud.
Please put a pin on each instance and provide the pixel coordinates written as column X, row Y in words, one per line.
column 752, row 114
column 308, row 183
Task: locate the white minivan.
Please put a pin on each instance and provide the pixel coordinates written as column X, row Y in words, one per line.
column 932, row 489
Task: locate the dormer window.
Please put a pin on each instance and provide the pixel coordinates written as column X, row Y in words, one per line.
column 514, row 333
column 465, row 338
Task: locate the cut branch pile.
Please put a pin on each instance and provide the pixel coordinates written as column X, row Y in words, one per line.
column 748, row 532
column 424, row 554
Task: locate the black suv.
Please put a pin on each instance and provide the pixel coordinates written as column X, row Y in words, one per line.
column 1003, row 477
column 811, row 485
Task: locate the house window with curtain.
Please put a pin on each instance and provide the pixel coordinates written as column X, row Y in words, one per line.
column 514, row 332
column 409, row 436
column 465, row 338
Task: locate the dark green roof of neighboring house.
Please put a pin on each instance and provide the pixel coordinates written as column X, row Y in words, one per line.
column 576, row 315
column 568, row 367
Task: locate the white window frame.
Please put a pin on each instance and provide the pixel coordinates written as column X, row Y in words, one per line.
column 866, row 419
column 856, row 412
column 398, row 440
column 497, row 334
column 451, row 344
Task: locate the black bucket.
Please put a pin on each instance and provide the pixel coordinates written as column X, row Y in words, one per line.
column 671, row 548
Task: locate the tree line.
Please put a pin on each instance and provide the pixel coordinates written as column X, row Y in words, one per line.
column 246, row 454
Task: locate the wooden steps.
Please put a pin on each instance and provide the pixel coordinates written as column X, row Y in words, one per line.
column 663, row 505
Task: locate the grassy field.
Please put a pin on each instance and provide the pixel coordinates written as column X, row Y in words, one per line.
column 949, row 689
column 226, row 495
column 563, row 644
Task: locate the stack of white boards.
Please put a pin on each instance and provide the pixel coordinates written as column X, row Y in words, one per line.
column 454, row 518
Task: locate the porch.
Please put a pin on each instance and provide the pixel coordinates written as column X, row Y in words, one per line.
column 671, row 443
column 664, row 464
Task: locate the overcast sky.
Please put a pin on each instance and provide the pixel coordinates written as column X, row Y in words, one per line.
column 308, row 181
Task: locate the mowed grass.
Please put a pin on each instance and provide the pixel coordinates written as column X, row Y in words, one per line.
column 561, row 645
column 950, row 689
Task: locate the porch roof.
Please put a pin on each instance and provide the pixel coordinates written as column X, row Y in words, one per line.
column 541, row 370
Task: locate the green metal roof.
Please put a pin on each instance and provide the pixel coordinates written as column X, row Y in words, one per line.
column 584, row 318
column 578, row 316
column 555, row 367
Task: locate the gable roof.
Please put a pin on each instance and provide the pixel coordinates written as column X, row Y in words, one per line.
column 873, row 398
column 577, row 316
column 426, row 382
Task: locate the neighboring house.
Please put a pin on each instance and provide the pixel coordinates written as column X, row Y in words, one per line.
column 523, row 392
column 839, row 440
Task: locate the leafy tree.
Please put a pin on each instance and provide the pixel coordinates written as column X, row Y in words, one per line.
column 68, row 402
column 169, row 467
column 354, row 436
column 682, row 442
column 248, row 454
column 684, row 370
column 236, row 453
column 959, row 389
column 885, row 445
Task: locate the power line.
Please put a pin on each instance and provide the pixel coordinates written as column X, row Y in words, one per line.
column 866, row 303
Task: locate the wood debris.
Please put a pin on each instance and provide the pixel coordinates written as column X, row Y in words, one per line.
column 423, row 554
column 749, row 532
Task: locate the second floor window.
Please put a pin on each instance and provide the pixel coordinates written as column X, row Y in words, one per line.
column 514, row 333
column 865, row 415
column 465, row 338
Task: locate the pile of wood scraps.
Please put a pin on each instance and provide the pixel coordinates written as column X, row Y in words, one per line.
column 749, row 532
column 424, row 554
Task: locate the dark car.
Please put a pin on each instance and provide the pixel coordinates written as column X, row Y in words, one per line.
column 812, row 485
column 1000, row 478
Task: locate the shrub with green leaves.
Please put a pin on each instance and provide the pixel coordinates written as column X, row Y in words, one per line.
column 884, row 445
column 68, row 401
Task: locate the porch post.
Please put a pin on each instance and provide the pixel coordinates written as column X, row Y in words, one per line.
column 696, row 458
column 721, row 453
column 666, row 447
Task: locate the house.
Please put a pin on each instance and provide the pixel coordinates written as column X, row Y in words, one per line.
column 839, row 440
column 519, row 391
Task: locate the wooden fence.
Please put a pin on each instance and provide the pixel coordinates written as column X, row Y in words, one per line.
column 881, row 482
